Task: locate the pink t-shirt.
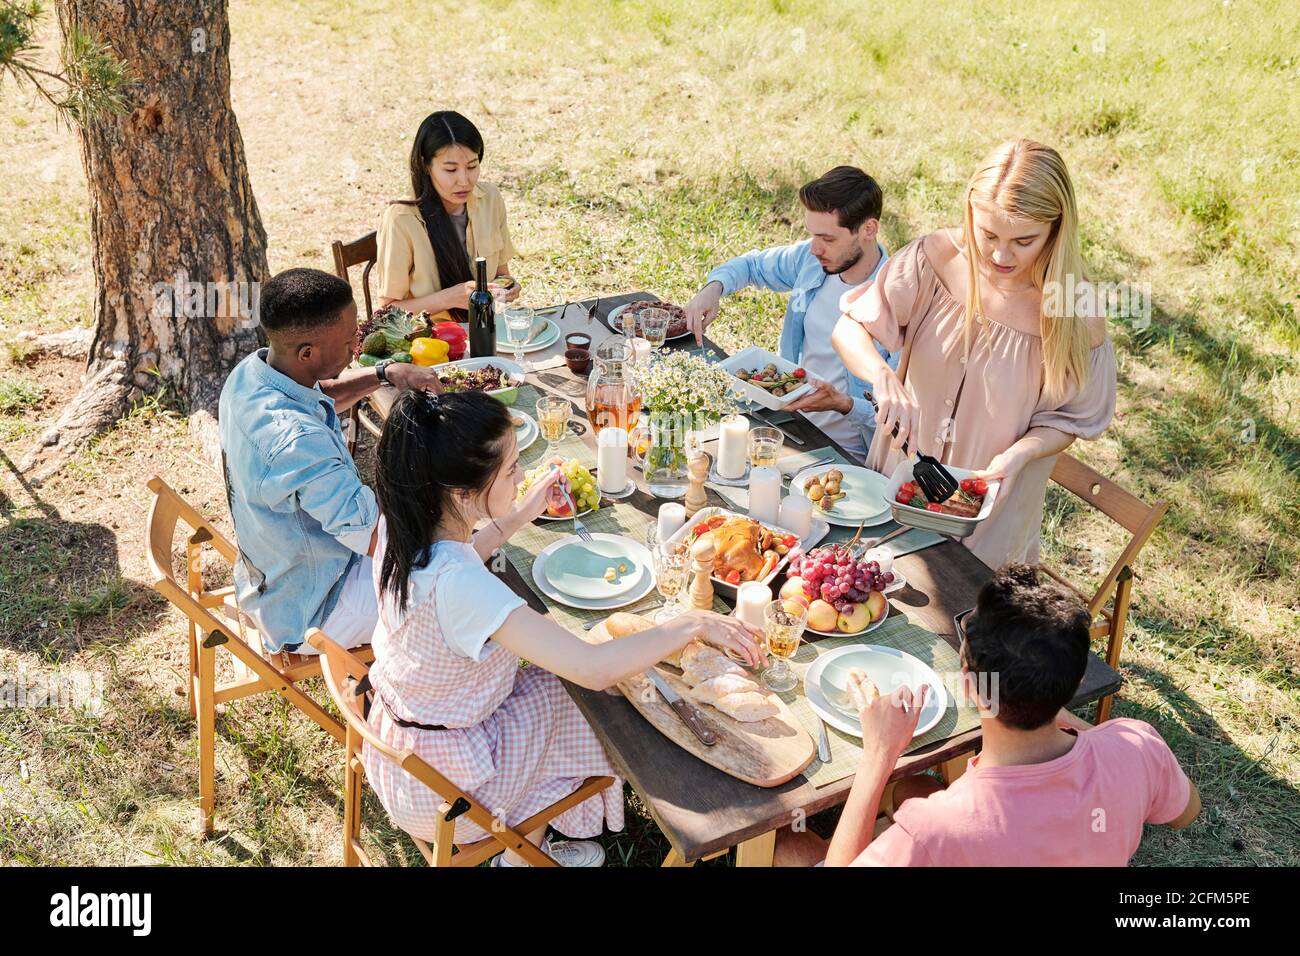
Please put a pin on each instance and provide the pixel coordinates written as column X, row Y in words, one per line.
column 1085, row 808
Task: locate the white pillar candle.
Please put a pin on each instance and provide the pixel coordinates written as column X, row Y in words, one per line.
column 640, row 351
column 672, row 515
column 881, row 557
column 611, row 459
column 752, row 598
column 765, row 494
column 796, row 515
column 733, row 446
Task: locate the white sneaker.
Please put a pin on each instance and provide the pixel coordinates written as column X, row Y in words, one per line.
column 567, row 853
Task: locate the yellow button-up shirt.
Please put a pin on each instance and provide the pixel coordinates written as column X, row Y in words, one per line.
column 405, row 266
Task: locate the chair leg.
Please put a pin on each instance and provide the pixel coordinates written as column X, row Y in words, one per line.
column 194, row 669
column 443, row 839
column 1119, row 618
column 758, row 851
column 352, row 782
column 207, row 719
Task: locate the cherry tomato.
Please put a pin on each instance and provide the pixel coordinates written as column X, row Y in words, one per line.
column 980, row 487
column 933, row 507
column 789, row 541
column 904, row 497
column 799, row 373
column 966, row 484
column 733, row 576
column 701, row 528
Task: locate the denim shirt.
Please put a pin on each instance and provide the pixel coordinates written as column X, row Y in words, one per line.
column 302, row 515
column 795, row 269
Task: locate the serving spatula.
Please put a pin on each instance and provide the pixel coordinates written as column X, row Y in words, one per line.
column 935, row 481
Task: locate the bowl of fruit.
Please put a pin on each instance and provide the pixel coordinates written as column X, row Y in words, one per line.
column 957, row 517
column 843, row 592
column 577, row 480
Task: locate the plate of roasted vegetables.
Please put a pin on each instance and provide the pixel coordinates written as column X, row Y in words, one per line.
column 747, row 549
column 393, row 333
column 958, row 516
column 766, row 378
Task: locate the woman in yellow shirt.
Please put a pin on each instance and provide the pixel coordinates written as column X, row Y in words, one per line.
column 426, row 244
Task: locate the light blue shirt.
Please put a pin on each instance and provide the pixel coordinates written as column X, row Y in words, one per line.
column 302, row 515
column 795, row 269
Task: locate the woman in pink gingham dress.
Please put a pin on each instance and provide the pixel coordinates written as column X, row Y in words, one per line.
column 447, row 677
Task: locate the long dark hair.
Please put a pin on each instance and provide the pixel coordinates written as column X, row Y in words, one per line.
column 431, row 446
column 438, row 131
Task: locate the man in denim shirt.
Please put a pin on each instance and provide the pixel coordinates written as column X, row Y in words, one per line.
column 842, row 214
column 304, row 522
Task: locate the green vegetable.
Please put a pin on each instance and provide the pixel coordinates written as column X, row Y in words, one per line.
column 376, row 343
column 365, row 358
column 918, row 501
column 401, row 356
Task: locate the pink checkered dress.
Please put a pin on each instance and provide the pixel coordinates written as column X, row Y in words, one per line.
column 516, row 741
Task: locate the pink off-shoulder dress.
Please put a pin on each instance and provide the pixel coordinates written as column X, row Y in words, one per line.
column 972, row 409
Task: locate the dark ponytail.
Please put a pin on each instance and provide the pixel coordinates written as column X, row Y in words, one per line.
column 438, row 131
column 430, row 446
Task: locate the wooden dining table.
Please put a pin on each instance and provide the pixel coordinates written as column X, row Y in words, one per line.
column 701, row 810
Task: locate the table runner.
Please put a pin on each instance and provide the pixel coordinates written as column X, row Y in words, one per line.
column 900, row 633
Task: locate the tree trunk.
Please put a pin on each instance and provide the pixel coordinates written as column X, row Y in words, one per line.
column 179, row 246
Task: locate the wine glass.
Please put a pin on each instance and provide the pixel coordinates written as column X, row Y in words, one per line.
column 654, row 327
column 552, row 419
column 671, row 572
column 782, row 631
column 519, row 322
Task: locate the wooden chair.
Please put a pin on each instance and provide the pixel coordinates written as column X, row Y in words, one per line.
column 214, row 621
column 347, row 677
column 1140, row 520
column 358, row 252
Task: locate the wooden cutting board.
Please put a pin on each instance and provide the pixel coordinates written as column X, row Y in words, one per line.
column 765, row 753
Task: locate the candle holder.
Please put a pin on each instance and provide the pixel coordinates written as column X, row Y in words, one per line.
column 717, row 479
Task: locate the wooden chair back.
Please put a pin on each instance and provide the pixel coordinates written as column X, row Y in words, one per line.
column 358, row 252
column 347, row 678
column 1136, row 517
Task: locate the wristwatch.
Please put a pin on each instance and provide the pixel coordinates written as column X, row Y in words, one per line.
column 381, row 369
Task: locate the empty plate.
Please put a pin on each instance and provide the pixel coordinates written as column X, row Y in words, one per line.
column 594, row 570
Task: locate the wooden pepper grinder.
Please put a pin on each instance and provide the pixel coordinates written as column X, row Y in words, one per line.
column 702, row 554
column 698, row 469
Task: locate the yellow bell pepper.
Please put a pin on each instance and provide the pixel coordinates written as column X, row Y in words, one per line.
column 429, row 351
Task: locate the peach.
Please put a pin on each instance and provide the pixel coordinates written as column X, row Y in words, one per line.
column 855, row 619
column 877, row 605
column 793, row 590
column 822, row 616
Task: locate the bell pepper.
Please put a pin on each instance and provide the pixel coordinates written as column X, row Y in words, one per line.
column 429, row 351
column 457, row 339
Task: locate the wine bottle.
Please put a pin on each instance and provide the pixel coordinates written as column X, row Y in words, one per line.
column 482, row 315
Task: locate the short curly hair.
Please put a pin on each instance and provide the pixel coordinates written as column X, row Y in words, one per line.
column 297, row 300
column 1031, row 635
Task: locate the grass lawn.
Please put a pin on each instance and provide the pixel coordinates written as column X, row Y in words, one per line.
column 637, row 145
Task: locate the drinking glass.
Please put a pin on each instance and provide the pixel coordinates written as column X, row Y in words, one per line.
column 628, row 320
column 671, row 574
column 552, row 419
column 519, row 322
column 654, row 326
column 782, row 632
column 764, row 446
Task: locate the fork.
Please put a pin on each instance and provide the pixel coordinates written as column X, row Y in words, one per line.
column 579, row 528
column 591, row 313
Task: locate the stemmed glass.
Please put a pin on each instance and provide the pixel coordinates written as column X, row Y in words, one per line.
column 654, row 327
column 519, row 322
column 552, row 419
column 671, row 572
column 782, row 631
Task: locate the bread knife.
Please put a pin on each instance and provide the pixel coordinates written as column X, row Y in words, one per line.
column 688, row 712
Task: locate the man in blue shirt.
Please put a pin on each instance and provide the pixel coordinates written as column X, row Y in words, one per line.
column 842, row 215
column 304, row 522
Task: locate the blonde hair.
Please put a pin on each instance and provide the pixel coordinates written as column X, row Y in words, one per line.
column 1029, row 181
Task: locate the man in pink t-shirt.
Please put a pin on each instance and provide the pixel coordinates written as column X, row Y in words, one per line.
column 1047, row 789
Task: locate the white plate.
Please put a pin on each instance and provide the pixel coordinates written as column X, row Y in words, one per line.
column 545, row 339
column 755, row 358
column 548, row 590
column 526, row 433
column 585, row 563
column 889, row 668
column 862, row 475
column 616, row 326
column 954, row 525
column 819, row 530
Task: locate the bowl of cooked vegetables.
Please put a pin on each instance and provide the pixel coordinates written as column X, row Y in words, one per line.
column 494, row 376
column 766, row 378
column 957, row 517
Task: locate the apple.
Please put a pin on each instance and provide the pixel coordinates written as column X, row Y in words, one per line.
column 822, row 616
column 794, row 607
column 855, row 619
column 793, row 590
column 877, row 605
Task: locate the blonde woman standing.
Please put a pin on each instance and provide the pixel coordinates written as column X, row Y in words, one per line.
column 1000, row 369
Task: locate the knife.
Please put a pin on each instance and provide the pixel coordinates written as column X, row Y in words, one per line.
column 823, row 743
column 688, row 712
